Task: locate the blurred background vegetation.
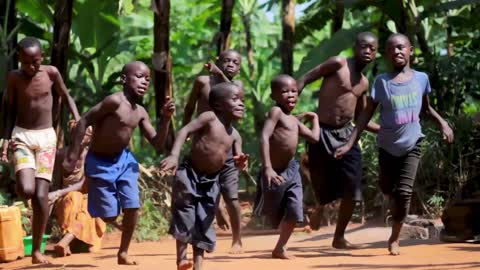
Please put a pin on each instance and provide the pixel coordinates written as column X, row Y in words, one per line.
column 90, row 40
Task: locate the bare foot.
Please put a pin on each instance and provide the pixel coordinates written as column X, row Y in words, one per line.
column 184, row 265
column 342, row 243
column 282, row 254
column 38, row 258
column 236, row 248
column 394, row 247
column 61, row 251
column 122, row 258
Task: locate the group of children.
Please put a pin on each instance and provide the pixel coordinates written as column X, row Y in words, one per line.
column 211, row 167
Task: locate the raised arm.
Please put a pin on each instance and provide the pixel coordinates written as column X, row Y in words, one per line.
column 215, row 70
column 267, row 131
column 198, row 85
column 427, row 110
column 331, row 65
column 62, row 91
column 157, row 138
column 311, row 135
column 361, row 105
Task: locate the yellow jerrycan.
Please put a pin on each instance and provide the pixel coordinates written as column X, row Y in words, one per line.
column 11, row 234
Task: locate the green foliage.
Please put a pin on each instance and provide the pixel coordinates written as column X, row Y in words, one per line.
column 152, row 223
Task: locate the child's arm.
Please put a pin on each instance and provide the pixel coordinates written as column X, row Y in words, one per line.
column 447, row 132
column 61, row 89
column 109, row 105
column 170, row 163
column 11, row 112
column 240, row 159
column 312, row 135
column 157, row 139
column 268, row 128
column 361, row 105
column 193, row 99
column 331, row 65
column 214, row 69
column 362, row 122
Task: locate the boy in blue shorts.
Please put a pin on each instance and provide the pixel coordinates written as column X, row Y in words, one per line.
column 402, row 95
column 110, row 168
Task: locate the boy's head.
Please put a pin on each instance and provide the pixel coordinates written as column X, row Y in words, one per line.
column 229, row 62
column 284, row 92
column 135, row 78
column 30, row 55
column 398, row 50
column 365, row 47
column 227, row 98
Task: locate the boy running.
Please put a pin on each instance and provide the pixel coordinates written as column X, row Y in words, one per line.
column 30, row 100
column 402, row 95
column 281, row 181
column 110, row 168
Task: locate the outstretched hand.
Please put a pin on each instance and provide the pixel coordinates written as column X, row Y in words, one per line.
column 169, row 107
column 169, row 164
column 447, row 133
column 273, row 177
column 212, row 68
column 241, row 161
column 341, row 151
column 307, row 115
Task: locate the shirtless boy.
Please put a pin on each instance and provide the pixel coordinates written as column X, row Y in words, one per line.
column 196, row 186
column 228, row 66
column 110, row 168
column 29, row 97
column 281, row 181
column 342, row 97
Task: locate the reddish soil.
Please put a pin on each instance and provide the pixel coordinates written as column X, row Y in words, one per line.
column 312, row 250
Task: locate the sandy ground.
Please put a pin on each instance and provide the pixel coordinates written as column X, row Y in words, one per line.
column 313, row 251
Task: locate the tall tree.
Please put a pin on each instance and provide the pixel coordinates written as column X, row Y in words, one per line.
column 223, row 40
column 288, row 35
column 338, row 14
column 59, row 59
column 162, row 62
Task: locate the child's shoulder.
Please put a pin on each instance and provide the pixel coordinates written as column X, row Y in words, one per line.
column 203, row 79
column 421, row 74
column 275, row 112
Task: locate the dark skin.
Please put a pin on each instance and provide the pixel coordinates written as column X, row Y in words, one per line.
column 213, row 137
column 279, row 144
column 29, row 98
column 398, row 53
column 227, row 67
column 121, row 113
column 342, row 98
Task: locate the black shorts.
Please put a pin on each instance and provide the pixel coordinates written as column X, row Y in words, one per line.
column 228, row 178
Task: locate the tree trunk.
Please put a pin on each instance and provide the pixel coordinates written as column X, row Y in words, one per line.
column 338, row 14
column 223, row 42
column 248, row 40
column 59, row 59
column 8, row 57
column 162, row 63
column 288, row 35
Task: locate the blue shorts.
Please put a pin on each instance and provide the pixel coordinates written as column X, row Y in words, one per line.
column 112, row 184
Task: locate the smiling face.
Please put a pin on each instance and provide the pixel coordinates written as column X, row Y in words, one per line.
column 30, row 60
column 285, row 92
column 366, row 49
column 136, row 78
column 233, row 104
column 398, row 51
column 229, row 62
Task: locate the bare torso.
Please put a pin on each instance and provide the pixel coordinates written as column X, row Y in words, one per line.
column 338, row 96
column 284, row 141
column 112, row 134
column 33, row 99
column 210, row 147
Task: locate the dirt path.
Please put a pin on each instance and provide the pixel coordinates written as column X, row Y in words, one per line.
column 313, row 251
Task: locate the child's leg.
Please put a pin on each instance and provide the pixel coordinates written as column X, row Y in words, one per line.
column 40, row 217
column 130, row 217
column 62, row 248
column 235, row 213
column 286, row 229
column 198, row 254
column 344, row 215
column 25, row 186
column 182, row 261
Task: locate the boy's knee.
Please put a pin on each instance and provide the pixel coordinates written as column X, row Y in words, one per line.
column 26, row 192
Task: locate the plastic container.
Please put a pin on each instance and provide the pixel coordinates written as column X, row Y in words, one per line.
column 11, row 233
column 27, row 242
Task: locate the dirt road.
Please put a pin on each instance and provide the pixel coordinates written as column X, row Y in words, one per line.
column 312, row 250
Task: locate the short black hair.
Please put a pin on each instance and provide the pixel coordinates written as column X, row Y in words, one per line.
column 361, row 36
column 222, row 54
column 127, row 67
column 394, row 35
column 279, row 81
column 28, row 42
column 220, row 92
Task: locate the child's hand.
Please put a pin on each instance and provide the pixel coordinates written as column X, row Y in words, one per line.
column 241, row 161
column 169, row 107
column 273, row 177
column 4, row 154
column 53, row 196
column 212, row 68
column 342, row 150
column 311, row 116
column 447, row 133
column 169, row 164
